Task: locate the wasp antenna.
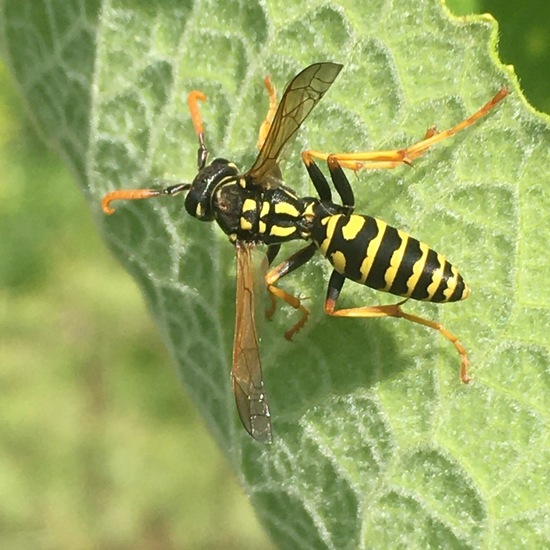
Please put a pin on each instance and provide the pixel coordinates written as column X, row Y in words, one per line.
column 126, row 195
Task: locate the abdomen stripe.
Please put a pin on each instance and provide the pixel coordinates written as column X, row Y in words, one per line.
column 384, row 258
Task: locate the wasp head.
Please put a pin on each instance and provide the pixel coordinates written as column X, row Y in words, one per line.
column 199, row 199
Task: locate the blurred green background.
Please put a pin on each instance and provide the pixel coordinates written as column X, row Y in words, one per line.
column 99, row 446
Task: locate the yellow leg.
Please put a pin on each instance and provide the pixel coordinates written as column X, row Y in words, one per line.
column 395, row 310
column 293, row 301
column 266, row 124
column 396, row 157
column 284, row 268
column 275, row 292
column 272, row 306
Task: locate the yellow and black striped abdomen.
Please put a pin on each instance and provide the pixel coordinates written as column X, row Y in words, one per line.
column 371, row 252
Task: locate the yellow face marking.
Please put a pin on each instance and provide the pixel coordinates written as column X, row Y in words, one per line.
column 372, row 250
column 287, row 209
column 436, row 276
column 242, row 183
column 264, row 211
column 338, row 260
column 261, row 227
column 418, row 267
column 352, row 228
column 198, row 211
column 395, row 260
column 245, row 224
column 277, row 231
column 249, row 205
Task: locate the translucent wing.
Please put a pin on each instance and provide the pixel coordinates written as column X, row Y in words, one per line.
column 300, row 97
column 248, row 383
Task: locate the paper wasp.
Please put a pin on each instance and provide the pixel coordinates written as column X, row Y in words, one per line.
column 256, row 207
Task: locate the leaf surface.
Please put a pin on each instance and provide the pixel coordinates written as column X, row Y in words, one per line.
column 377, row 444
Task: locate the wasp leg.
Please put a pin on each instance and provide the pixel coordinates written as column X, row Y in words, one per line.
column 272, row 251
column 266, row 124
column 396, row 157
column 430, row 132
column 335, row 286
column 284, row 268
column 317, row 177
column 339, row 179
column 270, row 311
column 136, row 194
column 341, row 182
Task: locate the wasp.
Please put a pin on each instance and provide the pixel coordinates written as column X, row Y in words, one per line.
column 256, row 207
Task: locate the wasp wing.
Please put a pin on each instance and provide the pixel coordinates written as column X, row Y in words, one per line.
column 246, row 374
column 300, row 97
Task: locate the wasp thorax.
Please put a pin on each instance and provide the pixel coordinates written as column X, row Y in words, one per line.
column 199, row 199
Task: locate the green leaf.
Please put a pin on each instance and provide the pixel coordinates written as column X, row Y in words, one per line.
column 377, row 444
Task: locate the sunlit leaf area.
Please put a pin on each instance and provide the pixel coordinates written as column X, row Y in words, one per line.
column 118, row 427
